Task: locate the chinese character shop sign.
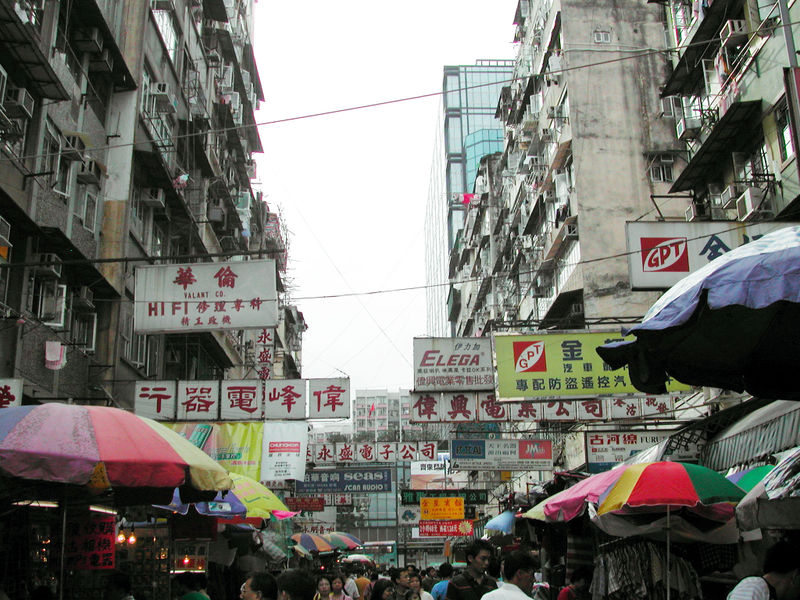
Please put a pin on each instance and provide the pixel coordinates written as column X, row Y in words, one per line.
column 445, row 528
column 442, row 364
column 206, row 297
column 89, row 542
column 501, row 455
column 441, row 508
column 559, row 365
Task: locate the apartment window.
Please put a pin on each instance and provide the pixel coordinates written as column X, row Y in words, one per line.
column 601, row 36
column 671, row 106
column 51, row 150
column 165, row 21
column 49, row 301
column 90, row 209
column 134, row 346
column 139, row 213
column 83, row 330
column 785, row 145
column 661, row 168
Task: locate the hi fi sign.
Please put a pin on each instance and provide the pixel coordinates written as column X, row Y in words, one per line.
column 661, row 254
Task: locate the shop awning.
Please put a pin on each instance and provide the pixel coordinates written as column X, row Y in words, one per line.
column 734, row 132
column 756, row 435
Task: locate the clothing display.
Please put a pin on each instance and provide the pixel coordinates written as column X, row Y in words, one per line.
column 636, row 570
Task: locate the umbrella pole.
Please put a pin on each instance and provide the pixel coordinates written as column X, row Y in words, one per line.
column 62, row 562
column 668, row 557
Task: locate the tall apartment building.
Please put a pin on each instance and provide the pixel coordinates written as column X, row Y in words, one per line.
column 381, row 411
column 587, row 147
column 470, row 131
column 126, row 139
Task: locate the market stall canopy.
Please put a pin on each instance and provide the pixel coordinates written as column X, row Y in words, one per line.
column 775, row 501
column 102, row 448
column 571, row 502
column 731, row 324
column 504, row 522
column 342, row 540
column 312, row 542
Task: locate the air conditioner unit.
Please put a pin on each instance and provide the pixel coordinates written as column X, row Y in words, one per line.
column 751, row 204
column 688, row 128
column 102, row 63
column 527, row 242
column 50, row 265
column 153, row 197
column 84, row 299
column 226, row 81
column 576, row 308
column 165, row 99
column 720, row 214
column 546, row 135
column 729, row 195
column 73, row 149
column 556, row 112
column 250, row 165
column 5, row 233
column 235, row 101
column 87, row 40
column 90, row 172
column 245, row 77
column 696, row 213
column 538, row 291
column 18, row 102
column 216, row 214
column 733, row 33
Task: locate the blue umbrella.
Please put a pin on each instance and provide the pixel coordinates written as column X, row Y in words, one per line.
column 503, row 522
column 733, row 324
column 225, row 504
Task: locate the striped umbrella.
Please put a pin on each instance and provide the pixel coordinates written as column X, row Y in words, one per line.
column 312, row 542
column 342, row 540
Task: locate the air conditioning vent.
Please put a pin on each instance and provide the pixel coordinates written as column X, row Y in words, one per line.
column 751, row 204
column 696, row 213
column 576, row 308
column 91, row 172
column 73, row 149
column 734, row 33
column 688, row 128
column 153, row 197
column 49, row 265
column 729, row 195
column 84, row 299
column 18, row 102
column 87, row 40
column 165, row 99
column 102, row 63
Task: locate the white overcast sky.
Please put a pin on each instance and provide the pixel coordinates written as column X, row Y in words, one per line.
column 352, row 187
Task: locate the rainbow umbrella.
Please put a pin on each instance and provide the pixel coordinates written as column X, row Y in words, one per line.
column 748, row 478
column 663, row 487
column 312, row 542
column 342, row 540
column 571, row 502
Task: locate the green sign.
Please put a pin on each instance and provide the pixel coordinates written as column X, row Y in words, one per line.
column 470, row 496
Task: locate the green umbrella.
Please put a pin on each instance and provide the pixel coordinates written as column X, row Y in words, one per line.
column 748, row 478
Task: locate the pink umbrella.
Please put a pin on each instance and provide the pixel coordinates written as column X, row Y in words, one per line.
column 570, row 503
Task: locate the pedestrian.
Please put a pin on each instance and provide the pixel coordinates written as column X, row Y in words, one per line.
column 383, row 590
column 430, row 579
column 362, row 581
column 518, row 577
column 373, row 579
column 350, row 586
column 337, row 588
column 415, row 584
column 259, row 585
column 439, row 589
column 781, row 579
column 579, row 582
column 399, row 578
column 186, row 587
column 323, row 588
column 294, row 584
column 473, row 583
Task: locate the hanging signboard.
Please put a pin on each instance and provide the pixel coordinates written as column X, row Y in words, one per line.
column 329, row 398
column 299, row 503
column 441, row 508
column 606, row 449
column 236, row 446
column 450, row 528
column 89, row 541
column 560, row 365
column 413, row 497
column 156, row 400
column 501, row 455
column 206, row 297
column 453, row 364
column 284, row 450
column 285, row 399
column 370, row 452
column 10, row 392
column 662, row 253
column 345, row 480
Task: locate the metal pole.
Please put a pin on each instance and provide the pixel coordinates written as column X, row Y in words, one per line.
column 783, row 7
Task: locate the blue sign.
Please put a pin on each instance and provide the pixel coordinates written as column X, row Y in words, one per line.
column 345, row 480
column 461, row 449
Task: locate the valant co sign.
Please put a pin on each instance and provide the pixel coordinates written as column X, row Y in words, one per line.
column 663, row 253
column 452, row 364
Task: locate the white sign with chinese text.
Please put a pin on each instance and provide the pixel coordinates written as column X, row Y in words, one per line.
column 10, row 392
column 198, row 400
column 241, row 400
column 606, row 449
column 453, row 364
column 285, row 399
column 284, row 451
column 329, row 398
column 206, row 297
column 155, row 400
column 664, row 252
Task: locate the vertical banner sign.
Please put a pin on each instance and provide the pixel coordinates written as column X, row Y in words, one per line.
column 285, row 399
column 451, row 364
column 241, row 400
column 156, row 400
column 10, row 392
column 206, row 297
column 329, row 398
column 284, row 451
column 198, row 400
column 560, row 365
column 265, row 353
column 89, row 541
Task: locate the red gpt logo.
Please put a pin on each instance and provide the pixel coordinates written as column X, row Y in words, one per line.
column 529, row 357
column 664, row 255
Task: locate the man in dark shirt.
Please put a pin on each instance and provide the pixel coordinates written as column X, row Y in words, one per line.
column 473, row 582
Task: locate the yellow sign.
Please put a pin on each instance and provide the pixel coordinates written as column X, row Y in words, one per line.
column 236, row 446
column 558, row 365
column 441, row 508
